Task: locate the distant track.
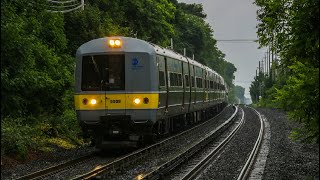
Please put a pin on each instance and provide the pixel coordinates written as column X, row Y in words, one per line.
column 245, row 172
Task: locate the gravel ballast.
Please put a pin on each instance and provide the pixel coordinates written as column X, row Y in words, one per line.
column 288, row 159
column 230, row 162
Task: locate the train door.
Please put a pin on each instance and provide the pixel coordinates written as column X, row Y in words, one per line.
column 206, row 86
column 115, row 97
column 104, row 77
column 163, row 82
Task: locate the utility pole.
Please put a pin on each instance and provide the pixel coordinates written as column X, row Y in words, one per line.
column 269, row 64
column 268, row 68
column 82, row 4
column 272, row 59
column 264, row 64
column 266, row 59
column 259, row 67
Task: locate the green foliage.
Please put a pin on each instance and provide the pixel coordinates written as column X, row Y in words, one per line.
column 149, row 20
column 16, row 138
column 239, row 93
column 291, row 28
column 37, row 59
column 32, row 60
column 303, row 106
column 36, row 75
column 232, row 99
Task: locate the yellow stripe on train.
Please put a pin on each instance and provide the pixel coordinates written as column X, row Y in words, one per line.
column 116, row 101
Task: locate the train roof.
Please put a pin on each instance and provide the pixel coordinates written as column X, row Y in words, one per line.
column 101, row 45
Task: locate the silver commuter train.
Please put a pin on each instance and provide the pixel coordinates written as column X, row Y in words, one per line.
column 129, row 91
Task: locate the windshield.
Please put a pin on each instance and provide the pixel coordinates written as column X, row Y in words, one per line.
column 103, row 73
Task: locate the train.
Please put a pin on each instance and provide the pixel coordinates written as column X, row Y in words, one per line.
column 129, row 91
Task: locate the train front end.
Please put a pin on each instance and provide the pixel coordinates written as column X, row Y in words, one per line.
column 116, row 95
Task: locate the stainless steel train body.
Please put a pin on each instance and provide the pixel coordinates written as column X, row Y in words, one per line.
column 128, row 90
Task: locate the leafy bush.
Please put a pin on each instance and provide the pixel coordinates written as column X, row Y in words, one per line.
column 300, row 97
column 17, row 138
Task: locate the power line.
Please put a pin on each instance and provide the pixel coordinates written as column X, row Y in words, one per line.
column 65, row 6
column 237, row 40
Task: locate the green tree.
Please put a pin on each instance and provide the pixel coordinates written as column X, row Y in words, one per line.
column 239, row 92
column 36, row 74
column 291, row 28
column 34, row 69
column 150, row 20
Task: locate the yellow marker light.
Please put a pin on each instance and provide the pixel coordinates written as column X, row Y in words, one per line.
column 111, row 42
column 115, row 43
column 137, row 101
column 93, row 101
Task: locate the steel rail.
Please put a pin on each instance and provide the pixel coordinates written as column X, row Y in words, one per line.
column 247, row 167
column 57, row 168
column 173, row 163
column 139, row 154
column 197, row 169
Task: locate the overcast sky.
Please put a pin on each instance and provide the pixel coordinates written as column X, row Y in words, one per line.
column 235, row 19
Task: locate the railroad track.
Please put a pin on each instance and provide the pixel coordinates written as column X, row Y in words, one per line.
column 143, row 154
column 245, row 172
column 50, row 171
column 185, row 168
column 199, row 164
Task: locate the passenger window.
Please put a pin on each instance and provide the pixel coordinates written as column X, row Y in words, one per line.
column 211, row 84
column 162, row 81
column 199, row 82
column 186, row 77
column 173, row 79
column 192, row 81
column 179, row 79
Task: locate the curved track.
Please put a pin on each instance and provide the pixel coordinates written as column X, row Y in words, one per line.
column 245, row 172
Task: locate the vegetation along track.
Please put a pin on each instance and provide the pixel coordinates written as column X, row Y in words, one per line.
column 152, row 156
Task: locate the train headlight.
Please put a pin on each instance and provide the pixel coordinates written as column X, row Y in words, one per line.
column 137, row 101
column 115, row 43
column 93, row 101
column 111, row 42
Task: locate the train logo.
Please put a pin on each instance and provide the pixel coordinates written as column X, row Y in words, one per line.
column 135, row 64
column 135, row 61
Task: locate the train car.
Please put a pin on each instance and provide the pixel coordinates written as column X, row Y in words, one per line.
column 129, row 91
